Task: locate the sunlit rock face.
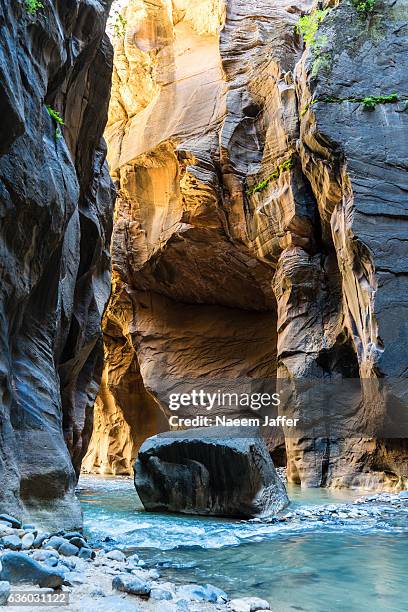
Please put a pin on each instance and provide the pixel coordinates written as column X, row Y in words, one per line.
column 246, row 237
column 56, row 217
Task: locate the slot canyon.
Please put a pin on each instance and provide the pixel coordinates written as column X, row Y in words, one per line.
column 216, row 279
column 206, row 194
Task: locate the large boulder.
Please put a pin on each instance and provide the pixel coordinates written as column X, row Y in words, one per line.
column 201, row 471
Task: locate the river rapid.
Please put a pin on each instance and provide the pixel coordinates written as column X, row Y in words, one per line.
column 330, row 551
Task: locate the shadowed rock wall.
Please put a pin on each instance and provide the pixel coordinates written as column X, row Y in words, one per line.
column 260, row 223
column 56, row 201
column 356, row 161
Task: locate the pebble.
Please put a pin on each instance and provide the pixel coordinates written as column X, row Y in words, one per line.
column 4, row 592
column 42, row 555
column 78, row 542
column 55, row 542
column 161, row 594
column 27, row 541
column 180, row 605
column 6, row 524
column 6, row 531
column 12, row 542
column 86, row 553
column 68, row 562
column 10, row 519
column 196, row 592
column 222, row 597
column 153, row 574
column 68, row 550
column 40, row 538
column 115, row 555
column 97, row 592
column 131, row 584
column 72, row 534
column 248, row 604
column 51, row 562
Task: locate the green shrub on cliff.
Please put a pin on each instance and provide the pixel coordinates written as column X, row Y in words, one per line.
column 369, row 102
column 364, row 7
column 309, row 24
column 58, row 120
column 32, row 6
column 286, row 165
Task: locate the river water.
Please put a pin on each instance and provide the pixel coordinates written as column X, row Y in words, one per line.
column 345, row 564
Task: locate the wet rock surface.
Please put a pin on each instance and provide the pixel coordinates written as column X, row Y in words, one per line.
column 56, row 216
column 200, row 472
column 18, row 569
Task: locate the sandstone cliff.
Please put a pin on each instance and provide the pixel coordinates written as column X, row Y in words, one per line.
column 56, row 216
column 261, row 222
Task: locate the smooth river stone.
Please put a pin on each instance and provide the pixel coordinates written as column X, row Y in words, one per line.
column 18, row 568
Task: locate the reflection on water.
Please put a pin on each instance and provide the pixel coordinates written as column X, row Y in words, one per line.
column 355, row 565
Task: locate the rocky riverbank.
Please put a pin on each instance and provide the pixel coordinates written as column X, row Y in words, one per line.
column 63, row 567
column 110, row 578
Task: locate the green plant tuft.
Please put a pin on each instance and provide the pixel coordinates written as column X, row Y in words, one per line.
column 32, row 6
column 286, row 165
column 58, row 120
column 364, row 7
column 120, row 25
column 369, row 102
column 309, row 24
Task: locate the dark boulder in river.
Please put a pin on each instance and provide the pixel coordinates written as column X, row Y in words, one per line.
column 200, row 471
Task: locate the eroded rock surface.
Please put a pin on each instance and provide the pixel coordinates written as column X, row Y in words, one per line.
column 187, row 296
column 261, row 223
column 199, row 471
column 56, row 216
column 356, row 161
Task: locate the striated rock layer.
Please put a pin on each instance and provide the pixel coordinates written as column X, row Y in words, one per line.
column 55, row 225
column 261, row 221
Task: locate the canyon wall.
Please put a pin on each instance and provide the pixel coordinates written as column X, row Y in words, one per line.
column 260, row 227
column 55, row 225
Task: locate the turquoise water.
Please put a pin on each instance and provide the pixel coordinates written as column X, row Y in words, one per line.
column 354, row 564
